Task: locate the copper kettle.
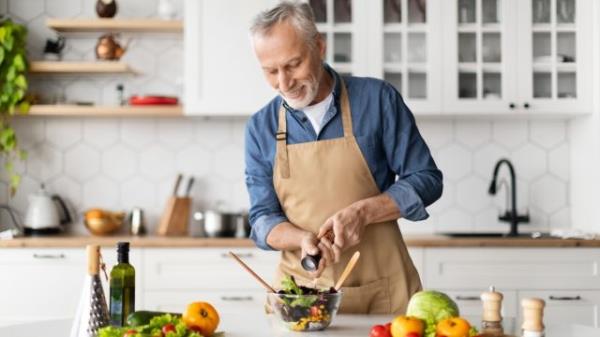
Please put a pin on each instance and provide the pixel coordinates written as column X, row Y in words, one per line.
column 108, row 48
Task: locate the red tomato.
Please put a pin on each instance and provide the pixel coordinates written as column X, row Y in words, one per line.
column 129, row 333
column 168, row 328
column 380, row 331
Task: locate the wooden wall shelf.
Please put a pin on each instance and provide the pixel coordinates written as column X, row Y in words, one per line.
column 66, row 67
column 113, row 111
column 115, row 25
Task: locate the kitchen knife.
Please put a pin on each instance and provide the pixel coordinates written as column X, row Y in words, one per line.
column 177, row 182
column 188, row 188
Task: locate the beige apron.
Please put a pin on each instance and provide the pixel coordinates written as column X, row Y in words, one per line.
column 313, row 181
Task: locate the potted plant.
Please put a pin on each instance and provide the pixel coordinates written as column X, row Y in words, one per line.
column 13, row 89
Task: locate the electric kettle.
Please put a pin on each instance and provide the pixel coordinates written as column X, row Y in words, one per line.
column 46, row 214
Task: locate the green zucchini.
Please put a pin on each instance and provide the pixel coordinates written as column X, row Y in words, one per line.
column 143, row 317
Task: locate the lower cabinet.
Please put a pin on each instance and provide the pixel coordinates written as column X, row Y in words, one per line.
column 41, row 284
column 225, row 301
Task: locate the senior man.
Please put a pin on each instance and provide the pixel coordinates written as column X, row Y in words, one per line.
column 323, row 157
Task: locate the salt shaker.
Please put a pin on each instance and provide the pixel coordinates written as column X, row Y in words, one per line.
column 533, row 317
column 491, row 322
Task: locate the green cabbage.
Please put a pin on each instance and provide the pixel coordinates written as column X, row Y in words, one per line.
column 431, row 306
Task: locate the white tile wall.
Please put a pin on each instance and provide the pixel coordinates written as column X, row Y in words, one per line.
column 124, row 162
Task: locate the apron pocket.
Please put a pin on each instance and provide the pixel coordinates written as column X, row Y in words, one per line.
column 371, row 298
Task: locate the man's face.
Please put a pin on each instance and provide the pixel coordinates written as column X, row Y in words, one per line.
column 290, row 65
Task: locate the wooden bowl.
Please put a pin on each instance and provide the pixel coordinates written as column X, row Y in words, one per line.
column 105, row 225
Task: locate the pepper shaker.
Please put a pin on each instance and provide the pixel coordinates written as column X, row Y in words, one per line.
column 533, row 317
column 491, row 322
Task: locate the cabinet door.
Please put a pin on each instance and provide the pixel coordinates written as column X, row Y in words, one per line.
column 222, row 75
column 479, row 56
column 40, row 284
column 555, row 55
column 404, row 43
column 567, row 307
column 225, row 301
column 206, row 268
column 340, row 23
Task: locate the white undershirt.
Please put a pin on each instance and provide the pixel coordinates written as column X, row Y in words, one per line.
column 316, row 112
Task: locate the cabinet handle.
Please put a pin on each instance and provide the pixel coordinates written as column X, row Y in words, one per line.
column 246, row 255
column 512, row 105
column 48, row 256
column 467, row 298
column 526, row 105
column 564, row 298
column 237, row 298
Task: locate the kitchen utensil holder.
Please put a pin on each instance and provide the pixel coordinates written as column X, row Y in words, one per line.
column 175, row 218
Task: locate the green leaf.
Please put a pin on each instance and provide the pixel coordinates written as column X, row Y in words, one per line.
column 289, row 286
column 1, row 55
column 24, row 107
column 9, row 41
column 304, row 301
column 21, row 82
column 19, row 63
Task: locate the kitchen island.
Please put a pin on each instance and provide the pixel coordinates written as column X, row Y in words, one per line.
column 257, row 325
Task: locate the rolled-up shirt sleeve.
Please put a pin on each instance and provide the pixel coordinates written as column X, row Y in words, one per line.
column 419, row 181
column 265, row 211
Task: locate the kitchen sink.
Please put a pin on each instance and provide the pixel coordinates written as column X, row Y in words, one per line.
column 533, row 235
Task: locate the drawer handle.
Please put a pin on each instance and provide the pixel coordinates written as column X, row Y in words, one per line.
column 245, row 255
column 48, row 256
column 565, row 298
column 467, row 298
column 237, row 298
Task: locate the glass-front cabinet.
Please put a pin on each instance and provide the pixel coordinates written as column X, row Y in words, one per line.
column 404, row 49
column 519, row 56
column 338, row 23
column 555, row 58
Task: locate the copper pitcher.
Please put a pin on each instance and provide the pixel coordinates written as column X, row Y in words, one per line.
column 108, row 48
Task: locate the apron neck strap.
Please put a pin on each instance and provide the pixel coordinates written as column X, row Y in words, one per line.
column 346, row 116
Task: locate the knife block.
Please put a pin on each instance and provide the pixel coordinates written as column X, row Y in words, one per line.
column 175, row 218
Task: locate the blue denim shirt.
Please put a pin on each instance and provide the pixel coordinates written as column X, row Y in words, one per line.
column 385, row 131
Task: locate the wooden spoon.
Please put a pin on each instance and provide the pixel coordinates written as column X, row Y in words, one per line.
column 258, row 278
column 347, row 270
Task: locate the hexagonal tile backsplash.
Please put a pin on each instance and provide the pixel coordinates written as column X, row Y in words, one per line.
column 120, row 163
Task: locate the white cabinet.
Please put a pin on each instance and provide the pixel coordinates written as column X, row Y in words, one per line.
column 227, row 302
column 567, row 307
column 40, row 284
column 518, row 56
column 222, row 75
column 566, row 278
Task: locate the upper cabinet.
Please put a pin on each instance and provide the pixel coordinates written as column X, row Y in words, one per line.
column 517, row 56
column 222, row 75
column 488, row 57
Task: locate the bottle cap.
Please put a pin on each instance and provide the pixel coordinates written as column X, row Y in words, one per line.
column 123, row 247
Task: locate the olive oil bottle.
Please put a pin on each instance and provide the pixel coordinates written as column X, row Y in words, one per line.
column 122, row 287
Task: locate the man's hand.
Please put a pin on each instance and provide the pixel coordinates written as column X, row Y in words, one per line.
column 347, row 226
column 311, row 245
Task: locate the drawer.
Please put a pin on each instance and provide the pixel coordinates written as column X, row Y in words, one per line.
column 227, row 303
column 206, row 268
column 512, row 268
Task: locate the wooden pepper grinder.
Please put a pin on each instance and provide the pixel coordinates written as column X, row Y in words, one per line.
column 491, row 322
column 533, row 317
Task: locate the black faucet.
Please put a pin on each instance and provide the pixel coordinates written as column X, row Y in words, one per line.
column 511, row 215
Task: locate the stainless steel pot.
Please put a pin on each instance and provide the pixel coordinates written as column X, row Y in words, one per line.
column 215, row 224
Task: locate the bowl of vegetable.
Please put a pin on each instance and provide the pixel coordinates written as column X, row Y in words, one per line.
column 301, row 308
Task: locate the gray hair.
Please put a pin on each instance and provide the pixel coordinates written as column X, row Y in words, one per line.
column 299, row 14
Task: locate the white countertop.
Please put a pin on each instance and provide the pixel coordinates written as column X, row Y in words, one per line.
column 254, row 325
